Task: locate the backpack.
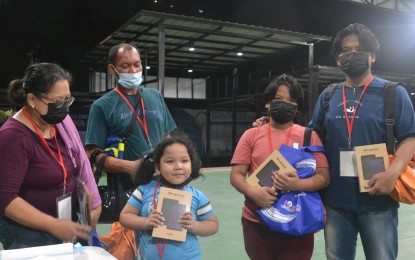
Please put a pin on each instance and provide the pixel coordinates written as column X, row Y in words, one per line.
column 404, row 190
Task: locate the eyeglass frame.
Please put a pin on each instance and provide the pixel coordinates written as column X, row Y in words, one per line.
column 67, row 102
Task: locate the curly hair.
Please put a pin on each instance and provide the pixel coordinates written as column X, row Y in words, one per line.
column 146, row 170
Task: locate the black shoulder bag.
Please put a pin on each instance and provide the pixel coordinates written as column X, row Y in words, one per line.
column 119, row 187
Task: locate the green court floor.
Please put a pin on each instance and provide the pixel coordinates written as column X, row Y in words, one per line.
column 227, row 244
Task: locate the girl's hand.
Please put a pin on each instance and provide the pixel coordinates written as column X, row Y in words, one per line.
column 203, row 228
column 286, row 181
column 264, row 197
column 187, row 221
column 155, row 219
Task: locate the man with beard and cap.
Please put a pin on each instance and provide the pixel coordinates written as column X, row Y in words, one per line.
column 355, row 116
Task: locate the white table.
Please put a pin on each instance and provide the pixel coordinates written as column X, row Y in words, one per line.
column 57, row 252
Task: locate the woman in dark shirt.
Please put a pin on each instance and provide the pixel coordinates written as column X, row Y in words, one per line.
column 42, row 156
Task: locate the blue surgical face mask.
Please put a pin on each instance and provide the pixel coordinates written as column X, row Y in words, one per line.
column 129, row 80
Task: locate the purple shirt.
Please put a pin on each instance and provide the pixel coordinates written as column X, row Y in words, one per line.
column 29, row 171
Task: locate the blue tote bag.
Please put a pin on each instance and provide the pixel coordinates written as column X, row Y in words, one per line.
column 296, row 212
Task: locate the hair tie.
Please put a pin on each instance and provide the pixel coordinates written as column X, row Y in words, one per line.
column 22, row 89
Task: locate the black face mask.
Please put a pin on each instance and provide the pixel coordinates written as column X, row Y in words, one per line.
column 282, row 112
column 354, row 64
column 55, row 115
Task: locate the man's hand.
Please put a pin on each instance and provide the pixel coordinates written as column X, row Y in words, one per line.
column 382, row 183
column 133, row 166
column 260, row 121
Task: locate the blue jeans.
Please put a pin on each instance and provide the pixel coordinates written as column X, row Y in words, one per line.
column 378, row 232
column 14, row 237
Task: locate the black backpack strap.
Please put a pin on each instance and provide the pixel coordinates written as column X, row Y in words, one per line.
column 389, row 99
column 307, row 136
column 328, row 93
column 307, row 143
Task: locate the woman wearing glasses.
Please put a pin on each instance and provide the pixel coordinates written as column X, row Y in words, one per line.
column 42, row 157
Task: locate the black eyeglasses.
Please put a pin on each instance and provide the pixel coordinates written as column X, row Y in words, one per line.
column 59, row 102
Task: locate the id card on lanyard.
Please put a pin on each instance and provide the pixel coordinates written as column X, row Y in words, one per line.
column 347, row 164
column 347, row 158
column 64, row 206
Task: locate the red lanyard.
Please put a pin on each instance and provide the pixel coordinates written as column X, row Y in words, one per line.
column 349, row 122
column 286, row 139
column 159, row 248
column 143, row 122
column 60, row 159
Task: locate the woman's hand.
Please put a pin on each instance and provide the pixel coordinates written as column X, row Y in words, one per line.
column 69, row 231
column 95, row 214
column 25, row 214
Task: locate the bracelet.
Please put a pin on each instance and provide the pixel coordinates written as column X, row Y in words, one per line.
column 100, row 167
column 93, row 157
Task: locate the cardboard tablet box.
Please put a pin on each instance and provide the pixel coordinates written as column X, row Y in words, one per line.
column 261, row 177
column 173, row 204
column 370, row 160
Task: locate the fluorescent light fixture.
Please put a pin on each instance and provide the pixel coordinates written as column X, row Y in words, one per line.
column 190, row 70
column 148, row 67
column 239, row 52
column 191, row 46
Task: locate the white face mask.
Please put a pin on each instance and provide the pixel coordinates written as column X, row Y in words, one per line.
column 129, row 80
